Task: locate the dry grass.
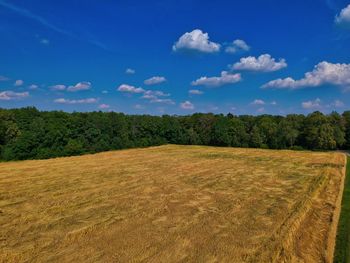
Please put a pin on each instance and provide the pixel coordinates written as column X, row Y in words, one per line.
column 170, row 204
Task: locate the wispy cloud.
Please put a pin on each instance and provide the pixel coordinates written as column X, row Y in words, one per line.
column 79, row 101
column 103, row 106
column 258, row 102
column 11, row 95
column 3, row 78
column 28, row 14
column 154, row 80
column 195, row 92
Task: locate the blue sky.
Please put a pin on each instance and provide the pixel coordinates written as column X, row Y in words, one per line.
column 176, row 57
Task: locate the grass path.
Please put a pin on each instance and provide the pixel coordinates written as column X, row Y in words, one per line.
column 342, row 249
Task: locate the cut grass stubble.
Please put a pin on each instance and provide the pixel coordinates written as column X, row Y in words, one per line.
column 170, row 204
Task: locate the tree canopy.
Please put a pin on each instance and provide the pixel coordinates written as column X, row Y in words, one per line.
column 28, row 133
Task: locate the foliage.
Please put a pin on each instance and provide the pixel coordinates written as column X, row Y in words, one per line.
column 27, row 133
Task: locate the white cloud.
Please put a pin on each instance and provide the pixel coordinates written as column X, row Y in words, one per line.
column 258, row 102
column 154, row 80
column 195, row 92
column 80, row 101
column 224, row 79
column 139, row 107
column 187, row 105
column 260, row 110
column 323, row 73
column 237, row 46
column 311, row 104
column 196, row 41
column 130, row 89
column 33, row 87
column 84, row 85
column 274, row 103
column 344, row 16
column 45, row 41
column 104, row 91
column 104, row 106
column 19, row 82
column 58, row 87
column 3, row 78
column 130, row 71
column 338, row 104
column 10, row 95
column 264, row 63
column 150, row 94
column 153, row 97
column 165, row 101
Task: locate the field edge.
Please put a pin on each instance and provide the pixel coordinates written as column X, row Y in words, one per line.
column 342, row 242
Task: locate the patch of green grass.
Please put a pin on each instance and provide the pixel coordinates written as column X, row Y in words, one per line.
column 342, row 248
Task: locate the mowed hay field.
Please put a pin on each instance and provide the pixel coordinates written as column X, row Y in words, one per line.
column 172, row 204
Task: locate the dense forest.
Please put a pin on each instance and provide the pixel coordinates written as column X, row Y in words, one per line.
column 27, row 133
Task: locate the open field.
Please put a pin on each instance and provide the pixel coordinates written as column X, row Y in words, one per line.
column 172, row 204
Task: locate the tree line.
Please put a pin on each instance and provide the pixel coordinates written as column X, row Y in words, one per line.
column 28, row 133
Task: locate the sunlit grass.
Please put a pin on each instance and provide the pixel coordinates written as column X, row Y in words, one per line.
column 169, row 204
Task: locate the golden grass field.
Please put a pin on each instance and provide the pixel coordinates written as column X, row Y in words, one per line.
column 171, row 204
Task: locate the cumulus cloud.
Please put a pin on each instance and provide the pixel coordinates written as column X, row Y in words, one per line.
column 195, row 92
column 258, row 102
column 104, row 106
column 154, row 80
column 311, row 104
column 224, row 79
column 80, row 101
column 84, row 85
column 19, row 82
column 236, row 46
column 187, row 105
column 344, row 16
column 196, row 41
column 264, row 63
column 130, row 71
column 3, row 78
column 323, row 73
column 11, row 95
column 130, row 89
